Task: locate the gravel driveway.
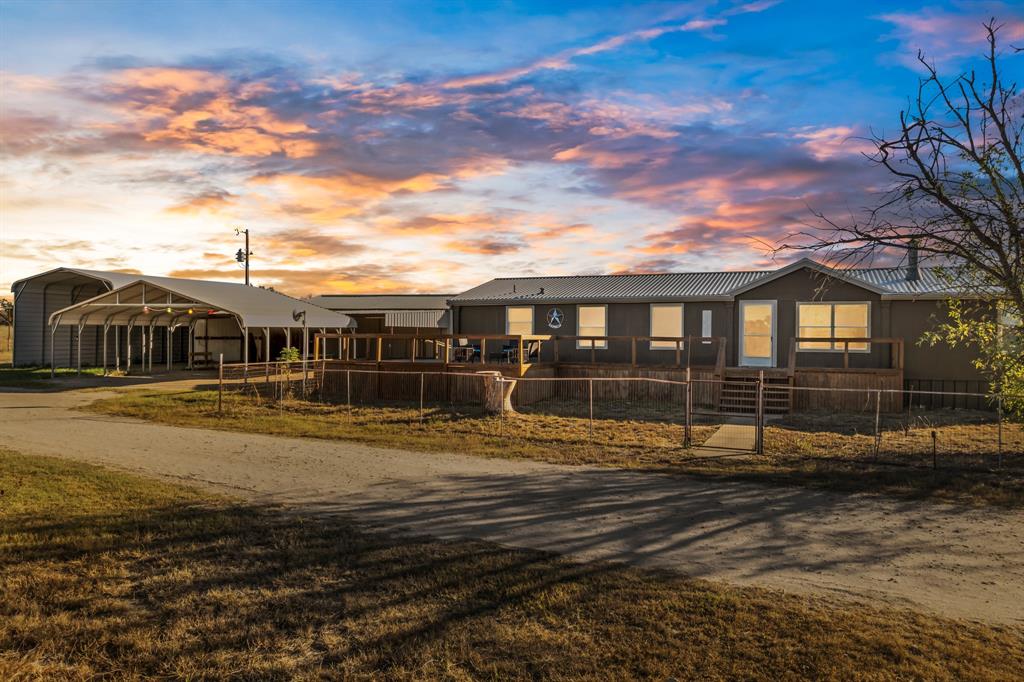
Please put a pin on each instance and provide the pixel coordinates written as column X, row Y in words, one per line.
column 966, row 563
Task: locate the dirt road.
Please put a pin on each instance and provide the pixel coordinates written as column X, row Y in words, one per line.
column 953, row 561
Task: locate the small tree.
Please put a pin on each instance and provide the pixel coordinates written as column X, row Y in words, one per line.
column 7, row 320
column 957, row 198
column 289, row 354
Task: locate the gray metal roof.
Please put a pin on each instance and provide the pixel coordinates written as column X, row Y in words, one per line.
column 687, row 286
column 254, row 307
column 382, row 302
column 669, row 286
column 894, row 282
column 111, row 279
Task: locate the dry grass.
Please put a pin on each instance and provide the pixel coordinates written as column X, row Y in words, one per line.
column 6, row 345
column 654, row 445
column 108, row 575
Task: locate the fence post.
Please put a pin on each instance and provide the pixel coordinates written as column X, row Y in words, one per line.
column 421, row 397
column 759, row 415
column 878, row 420
column 688, row 428
column 220, row 385
column 348, row 389
column 999, row 412
column 590, row 386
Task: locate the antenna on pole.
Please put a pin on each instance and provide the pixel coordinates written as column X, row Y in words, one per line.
column 243, row 256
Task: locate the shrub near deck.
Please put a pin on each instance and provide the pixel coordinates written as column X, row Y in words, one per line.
column 108, row 574
column 652, row 445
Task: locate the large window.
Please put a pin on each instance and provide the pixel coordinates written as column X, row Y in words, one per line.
column 839, row 320
column 591, row 320
column 666, row 320
column 519, row 320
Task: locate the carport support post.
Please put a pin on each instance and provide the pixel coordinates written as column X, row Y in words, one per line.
column 128, row 349
column 117, row 348
column 106, row 328
column 266, row 352
column 245, row 353
column 152, row 333
column 53, row 331
column 78, row 350
column 142, row 331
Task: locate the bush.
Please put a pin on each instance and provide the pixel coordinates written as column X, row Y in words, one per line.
column 289, row 354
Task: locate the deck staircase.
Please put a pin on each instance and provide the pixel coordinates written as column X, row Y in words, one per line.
column 739, row 393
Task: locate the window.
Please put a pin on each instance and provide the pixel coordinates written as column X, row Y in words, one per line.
column 705, row 325
column 839, row 320
column 666, row 320
column 519, row 320
column 592, row 320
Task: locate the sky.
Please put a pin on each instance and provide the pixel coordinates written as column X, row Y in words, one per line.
column 428, row 147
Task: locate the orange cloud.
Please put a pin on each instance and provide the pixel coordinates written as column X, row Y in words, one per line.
column 213, row 201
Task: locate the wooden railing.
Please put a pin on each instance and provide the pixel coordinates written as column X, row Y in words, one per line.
column 447, row 348
column 895, row 355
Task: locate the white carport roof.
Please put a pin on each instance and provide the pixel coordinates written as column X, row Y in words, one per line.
column 166, row 300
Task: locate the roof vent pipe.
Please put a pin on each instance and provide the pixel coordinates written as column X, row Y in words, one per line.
column 541, row 292
column 913, row 262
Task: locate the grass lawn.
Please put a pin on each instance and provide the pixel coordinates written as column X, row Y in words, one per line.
column 653, row 445
column 39, row 377
column 106, row 574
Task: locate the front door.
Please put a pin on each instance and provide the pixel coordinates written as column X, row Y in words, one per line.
column 757, row 333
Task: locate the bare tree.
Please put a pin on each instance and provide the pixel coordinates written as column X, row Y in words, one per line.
column 958, row 184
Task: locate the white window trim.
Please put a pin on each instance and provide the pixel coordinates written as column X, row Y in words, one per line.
column 775, row 331
column 533, row 318
column 708, row 316
column 833, row 305
column 587, row 345
column 682, row 324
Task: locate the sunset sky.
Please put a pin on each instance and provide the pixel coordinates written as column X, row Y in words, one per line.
column 412, row 146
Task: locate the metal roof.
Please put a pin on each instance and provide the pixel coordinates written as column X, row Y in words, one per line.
column 416, row 318
column 653, row 287
column 382, row 302
column 146, row 298
column 689, row 286
column 111, row 279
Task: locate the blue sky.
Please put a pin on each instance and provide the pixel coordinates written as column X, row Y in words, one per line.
column 414, row 146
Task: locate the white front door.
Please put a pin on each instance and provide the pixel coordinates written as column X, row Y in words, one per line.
column 757, row 333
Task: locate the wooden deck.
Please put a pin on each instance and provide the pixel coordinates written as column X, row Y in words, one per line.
column 729, row 388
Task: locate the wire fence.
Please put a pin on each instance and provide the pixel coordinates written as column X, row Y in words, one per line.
column 646, row 419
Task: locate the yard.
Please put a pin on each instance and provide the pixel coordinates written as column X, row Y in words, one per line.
column 107, row 574
column 6, row 345
column 806, row 452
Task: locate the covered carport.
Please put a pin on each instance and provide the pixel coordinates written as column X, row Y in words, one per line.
column 235, row 321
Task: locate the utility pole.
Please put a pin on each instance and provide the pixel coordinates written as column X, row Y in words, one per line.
column 243, row 256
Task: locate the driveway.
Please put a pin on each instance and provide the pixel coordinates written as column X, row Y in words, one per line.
column 965, row 563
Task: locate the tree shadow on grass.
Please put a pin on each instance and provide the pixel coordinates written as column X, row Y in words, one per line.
column 225, row 590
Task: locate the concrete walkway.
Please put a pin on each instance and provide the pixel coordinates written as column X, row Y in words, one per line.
column 729, row 439
column 953, row 561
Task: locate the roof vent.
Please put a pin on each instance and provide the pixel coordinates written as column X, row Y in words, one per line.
column 541, row 292
column 913, row 262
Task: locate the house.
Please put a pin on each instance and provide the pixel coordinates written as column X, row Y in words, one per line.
column 764, row 320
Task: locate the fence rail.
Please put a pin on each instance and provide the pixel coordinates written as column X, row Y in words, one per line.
column 660, row 419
